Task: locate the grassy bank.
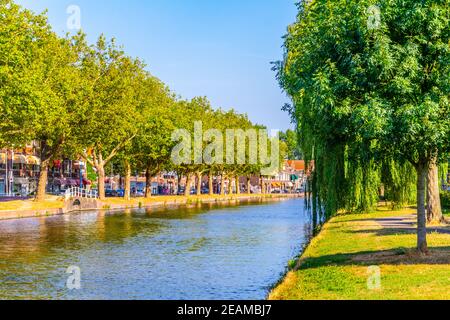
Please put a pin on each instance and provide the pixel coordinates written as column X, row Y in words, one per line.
column 335, row 265
column 138, row 202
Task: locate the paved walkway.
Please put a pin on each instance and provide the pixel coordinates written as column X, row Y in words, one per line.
column 408, row 224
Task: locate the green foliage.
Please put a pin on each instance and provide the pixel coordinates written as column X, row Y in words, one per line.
column 445, row 199
column 400, row 183
column 366, row 99
column 93, row 101
column 291, row 139
column 91, row 174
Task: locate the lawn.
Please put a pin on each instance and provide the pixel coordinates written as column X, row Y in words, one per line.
column 51, row 202
column 347, row 255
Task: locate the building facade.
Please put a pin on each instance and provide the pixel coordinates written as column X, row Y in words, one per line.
column 19, row 171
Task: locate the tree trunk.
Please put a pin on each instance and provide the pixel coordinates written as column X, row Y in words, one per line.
column 101, row 180
column 422, row 170
column 263, row 186
column 127, row 191
column 434, row 210
column 238, row 186
column 222, row 185
column 249, row 185
column 148, row 183
column 187, row 191
column 230, row 186
column 42, row 183
column 199, row 184
column 211, row 184
column 178, row 183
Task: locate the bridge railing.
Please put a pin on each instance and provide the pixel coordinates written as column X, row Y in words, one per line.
column 77, row 192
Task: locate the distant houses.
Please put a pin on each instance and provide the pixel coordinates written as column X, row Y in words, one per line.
column 19, row 172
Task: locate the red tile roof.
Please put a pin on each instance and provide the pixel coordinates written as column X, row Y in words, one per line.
column 300, row 165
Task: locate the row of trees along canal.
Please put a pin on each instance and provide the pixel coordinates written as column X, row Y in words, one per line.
column 95, row 102
column 370, row 85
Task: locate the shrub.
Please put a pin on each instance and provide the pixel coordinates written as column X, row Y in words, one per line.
column 445, row 199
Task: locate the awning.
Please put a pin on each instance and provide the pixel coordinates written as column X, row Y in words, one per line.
column 73, row 182
column 20, row 159
column 294, row 177
column 57, row 164
column 276, row 184
column 33, row 160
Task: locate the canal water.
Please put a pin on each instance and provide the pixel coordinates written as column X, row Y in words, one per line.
column 199, row 252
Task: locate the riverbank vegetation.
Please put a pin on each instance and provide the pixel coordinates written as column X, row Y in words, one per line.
column 344, row 261
column 370, row 90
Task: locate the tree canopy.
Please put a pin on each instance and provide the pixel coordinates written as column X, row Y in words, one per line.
column 95, row 102
column 369, row 83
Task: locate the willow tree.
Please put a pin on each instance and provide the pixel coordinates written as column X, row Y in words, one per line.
column 21, row 32
column 338, row 114
column 112, row 91
column 369, row 78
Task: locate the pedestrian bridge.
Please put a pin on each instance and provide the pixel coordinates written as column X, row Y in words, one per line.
column 77, row 199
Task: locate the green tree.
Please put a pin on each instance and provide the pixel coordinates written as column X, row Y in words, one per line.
column 290, row 138
column 417, row 87
column 369, row 80
column 193, row 115
column 152, row 145
column 40, row 86
column 112, row 91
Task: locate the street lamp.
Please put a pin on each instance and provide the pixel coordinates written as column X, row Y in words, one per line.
column 82, row 165
column 11, row 175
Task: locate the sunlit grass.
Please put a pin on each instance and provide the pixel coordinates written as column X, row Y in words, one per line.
column 51, row 202
column 182, row 199
column 335, row 265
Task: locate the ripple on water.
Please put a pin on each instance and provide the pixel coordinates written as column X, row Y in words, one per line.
column 196, row 253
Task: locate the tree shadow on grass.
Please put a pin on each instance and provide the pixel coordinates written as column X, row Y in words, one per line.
column 400, row 225
column 398, row 256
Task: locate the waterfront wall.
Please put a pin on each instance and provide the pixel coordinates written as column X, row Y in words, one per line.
column 73, row 206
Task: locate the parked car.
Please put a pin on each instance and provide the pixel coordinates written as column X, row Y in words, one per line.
column 119, row 193
column 181, row 191
column 276, row 191
column 205, row 190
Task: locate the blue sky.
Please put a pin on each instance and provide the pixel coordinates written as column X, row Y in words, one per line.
column 221, row 49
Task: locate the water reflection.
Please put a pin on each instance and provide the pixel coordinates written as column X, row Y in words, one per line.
column 197, row 252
